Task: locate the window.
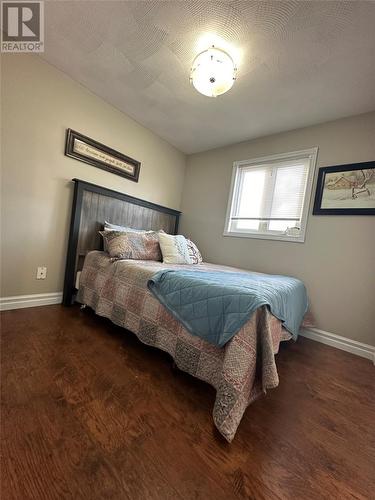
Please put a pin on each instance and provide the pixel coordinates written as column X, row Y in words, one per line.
column 270, row 196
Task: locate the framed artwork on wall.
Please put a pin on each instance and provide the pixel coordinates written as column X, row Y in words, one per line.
column 346, row 190
column 94, row 153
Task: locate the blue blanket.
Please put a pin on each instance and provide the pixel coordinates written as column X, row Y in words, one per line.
column 215, row 305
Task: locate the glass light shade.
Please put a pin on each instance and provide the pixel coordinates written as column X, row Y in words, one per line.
column 213, row 72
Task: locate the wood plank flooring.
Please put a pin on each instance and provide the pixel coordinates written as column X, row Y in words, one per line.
column 88, row 412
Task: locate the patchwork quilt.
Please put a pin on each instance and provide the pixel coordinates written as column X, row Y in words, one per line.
column 240, row 371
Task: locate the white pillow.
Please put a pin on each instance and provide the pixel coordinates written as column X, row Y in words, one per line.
column 174, row 249
column 195, row 255
column 114, row 227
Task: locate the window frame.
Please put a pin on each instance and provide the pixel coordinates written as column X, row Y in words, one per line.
column 311, row 154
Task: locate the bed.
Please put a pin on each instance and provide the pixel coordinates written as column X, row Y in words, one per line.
column 240, row 371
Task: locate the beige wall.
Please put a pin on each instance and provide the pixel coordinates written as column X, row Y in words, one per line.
column 38, row 104
column 337, row 260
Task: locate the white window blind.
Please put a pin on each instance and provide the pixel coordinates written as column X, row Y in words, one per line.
column 270, row 196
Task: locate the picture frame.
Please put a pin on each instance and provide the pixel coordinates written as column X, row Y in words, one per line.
column 346, row 190
column 87, row 150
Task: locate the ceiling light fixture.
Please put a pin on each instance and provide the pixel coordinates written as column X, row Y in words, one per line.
column 213, row 72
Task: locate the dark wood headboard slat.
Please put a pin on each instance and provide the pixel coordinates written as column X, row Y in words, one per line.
column 92, row 205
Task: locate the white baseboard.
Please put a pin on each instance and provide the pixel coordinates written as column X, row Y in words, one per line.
column 34, row 300
column 331, row 339
column 343, row 343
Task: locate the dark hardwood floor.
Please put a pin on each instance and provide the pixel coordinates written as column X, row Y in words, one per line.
column 88, row 412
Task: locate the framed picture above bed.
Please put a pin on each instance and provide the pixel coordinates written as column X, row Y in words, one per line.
column 346, row 190
column 94, row 153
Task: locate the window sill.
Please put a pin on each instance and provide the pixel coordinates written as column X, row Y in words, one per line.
column 266, row 236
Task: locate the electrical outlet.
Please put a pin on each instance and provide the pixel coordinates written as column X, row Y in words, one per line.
column 41, row 273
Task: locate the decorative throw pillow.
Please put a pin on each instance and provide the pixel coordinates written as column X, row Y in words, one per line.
column 138, row 246
column 195, row 255
column 174, row 249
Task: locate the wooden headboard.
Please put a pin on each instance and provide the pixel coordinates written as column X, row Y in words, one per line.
column 92, row 205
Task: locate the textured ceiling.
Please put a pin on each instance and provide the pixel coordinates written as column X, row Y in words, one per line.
column 299, row 63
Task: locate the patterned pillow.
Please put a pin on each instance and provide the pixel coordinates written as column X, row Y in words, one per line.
column 138, row 246
column 174, row 249
column 195, row 255
column 114, row 227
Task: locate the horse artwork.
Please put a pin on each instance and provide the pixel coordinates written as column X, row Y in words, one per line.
column 346, row 190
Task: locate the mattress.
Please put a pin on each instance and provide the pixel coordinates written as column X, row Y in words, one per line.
column 240, row 371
